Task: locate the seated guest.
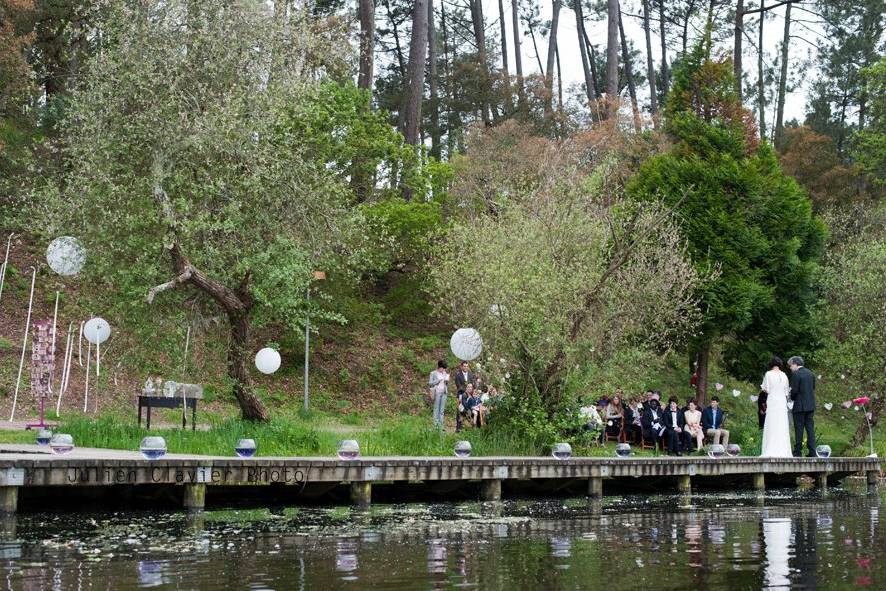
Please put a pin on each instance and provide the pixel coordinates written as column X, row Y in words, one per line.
column 474, row 409
column 633, row 421
column 589, row 416
column 653, row 429
column 761, row 407
column 615, row 416
column 712, row 422
column 674, row 423
column 693, row 426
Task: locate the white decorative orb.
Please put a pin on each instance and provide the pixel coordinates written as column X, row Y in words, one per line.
column 267, row 360
column 66, row 256
column 97, row 330
column 466, row 344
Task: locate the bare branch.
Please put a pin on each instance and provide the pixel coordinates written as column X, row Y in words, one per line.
column 185, row 276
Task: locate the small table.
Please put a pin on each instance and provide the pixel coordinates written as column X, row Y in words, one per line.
column 167, row 402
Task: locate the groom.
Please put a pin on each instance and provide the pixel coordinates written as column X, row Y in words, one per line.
column 803, row 395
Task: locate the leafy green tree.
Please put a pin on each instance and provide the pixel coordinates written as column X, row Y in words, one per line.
column 740, row 215
column 185, row 166
column 870, row 150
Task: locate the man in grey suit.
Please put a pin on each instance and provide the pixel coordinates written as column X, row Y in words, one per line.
column 803, row 395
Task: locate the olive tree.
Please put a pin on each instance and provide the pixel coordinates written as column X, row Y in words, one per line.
column 180, row 170
column 558, row 271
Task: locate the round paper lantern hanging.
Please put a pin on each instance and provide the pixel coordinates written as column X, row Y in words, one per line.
column 267, row 360
column 97, row 330
column 466, row 344
column 66, row 255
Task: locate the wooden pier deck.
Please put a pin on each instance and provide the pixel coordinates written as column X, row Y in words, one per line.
column 30, row 469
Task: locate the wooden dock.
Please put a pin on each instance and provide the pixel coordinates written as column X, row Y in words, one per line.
column 27, row 470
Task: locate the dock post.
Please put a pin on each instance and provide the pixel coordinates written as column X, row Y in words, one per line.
column 361, row 494
column 195, row 496
column 595, row 487
column 684, row 484
column 759, row 482
column 490, row 490
column 821, row 480
column 873, row 477
column 8, row 499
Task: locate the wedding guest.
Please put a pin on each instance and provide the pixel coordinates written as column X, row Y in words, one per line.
column 634, row 426
column 693, row 426
column 589, row 416
column 674, row 423
column 712, row 422
column 615, row 415
column 438, row 389
column 653, row 429
column 463, row 377
column 761, row 407
column 473, row 405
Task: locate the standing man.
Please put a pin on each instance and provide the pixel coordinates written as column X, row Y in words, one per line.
column 438, row 387
column 712, row 422
column 462, row 378
column 803, row 395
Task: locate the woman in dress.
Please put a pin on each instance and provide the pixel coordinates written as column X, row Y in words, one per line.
column 615, row 415
column 776, row 436
column 693, row 425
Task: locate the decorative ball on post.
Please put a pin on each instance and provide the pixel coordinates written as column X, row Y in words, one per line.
column 466, row 344
column 97, row 330
column 267, row 360
column 66, row 255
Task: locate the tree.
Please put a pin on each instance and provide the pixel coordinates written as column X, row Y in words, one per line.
column 518, row 57
column 367, row 44
column 179, row 159
column 629, row 76
column 595, row 271
column 612, row 48
column 650, row 66
column 410, row 111
column 739, row 214
column 783, row 77
column 870, row 151
column 552, row 52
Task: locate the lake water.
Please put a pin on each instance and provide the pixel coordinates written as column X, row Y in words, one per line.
column 785, row 540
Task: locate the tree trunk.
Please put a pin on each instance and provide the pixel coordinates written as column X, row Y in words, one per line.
column 506, row 75
column 783, row 78
column 612, row 60
column 552, row 56
column 737, row 47
column 237, row 305
column 239, row 351
column 701, row 386
column 480, row 37
column 650, row 66
column 761, row 85
column 583, row 50
column 518, row 58
column 665, row 76
column 432, row 83
column 367, row 44
column 410, row 111
column 559, row 87
column 541, row 68
column 451, row 118
column 632, row 89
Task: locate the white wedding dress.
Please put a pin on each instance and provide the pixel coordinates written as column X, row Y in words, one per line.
column 776, row 434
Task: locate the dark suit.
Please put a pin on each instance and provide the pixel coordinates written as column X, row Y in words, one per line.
column 647, row 421
column 674, row 439
column 803, row 395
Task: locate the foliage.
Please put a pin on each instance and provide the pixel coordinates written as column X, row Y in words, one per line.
column 560, row 271
column 812, row 159
column 870, row 149
column 740, row 214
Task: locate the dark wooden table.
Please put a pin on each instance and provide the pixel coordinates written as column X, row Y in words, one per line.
column 150, row 402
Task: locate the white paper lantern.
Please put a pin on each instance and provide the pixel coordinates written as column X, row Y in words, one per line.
column 466, row 344
column 66, row 256
column 97, row 330
column 267, row 360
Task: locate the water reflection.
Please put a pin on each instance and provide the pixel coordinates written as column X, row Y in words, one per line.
column 720, row 541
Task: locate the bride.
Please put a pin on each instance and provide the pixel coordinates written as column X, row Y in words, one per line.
column 776, row 436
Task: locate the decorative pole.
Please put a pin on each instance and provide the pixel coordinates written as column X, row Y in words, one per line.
column 21, row 363
column 5, row 264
